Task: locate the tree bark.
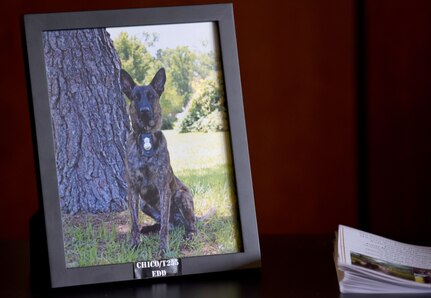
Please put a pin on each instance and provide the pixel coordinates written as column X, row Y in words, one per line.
column 89, row 120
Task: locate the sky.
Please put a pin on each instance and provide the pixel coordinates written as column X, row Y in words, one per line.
column 200, row 37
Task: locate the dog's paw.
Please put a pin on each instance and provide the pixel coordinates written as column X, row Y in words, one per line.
column 163, row 252
column 135, row 242
column 190, row 235
column 150, row 229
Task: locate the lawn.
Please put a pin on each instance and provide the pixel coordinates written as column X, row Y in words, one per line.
column 203, row 162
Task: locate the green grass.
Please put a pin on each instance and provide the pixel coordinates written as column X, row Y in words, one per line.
column 198, row 150
column 203, row 163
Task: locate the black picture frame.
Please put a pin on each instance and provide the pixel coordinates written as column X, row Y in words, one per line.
column 222, row 15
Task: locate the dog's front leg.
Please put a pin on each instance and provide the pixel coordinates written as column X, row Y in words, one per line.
column 133, row 199
column 165, row 210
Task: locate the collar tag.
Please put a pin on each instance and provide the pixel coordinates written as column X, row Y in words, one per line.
column 147, row 143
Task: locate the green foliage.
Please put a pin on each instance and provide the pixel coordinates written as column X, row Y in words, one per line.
column 206, row 64
column 206, row 110
column 172, row 103
column 179, row 63
column 187, row 74
column 134, row 56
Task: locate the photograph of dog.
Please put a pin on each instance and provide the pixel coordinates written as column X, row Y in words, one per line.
column 152, row 185
column 142, row 143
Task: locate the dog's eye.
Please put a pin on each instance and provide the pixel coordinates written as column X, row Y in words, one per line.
column 150, row 95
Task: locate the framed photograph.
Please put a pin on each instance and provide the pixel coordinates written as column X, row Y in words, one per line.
column 142, row 146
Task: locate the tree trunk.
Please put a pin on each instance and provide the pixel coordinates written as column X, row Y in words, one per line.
column 89, row 120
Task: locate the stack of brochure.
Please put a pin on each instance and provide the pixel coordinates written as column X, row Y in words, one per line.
column 367, row 263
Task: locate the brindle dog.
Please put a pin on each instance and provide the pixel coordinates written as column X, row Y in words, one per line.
column 152, row 185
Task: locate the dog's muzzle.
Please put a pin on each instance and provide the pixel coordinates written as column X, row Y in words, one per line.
column 145, row 113
column 146, row 116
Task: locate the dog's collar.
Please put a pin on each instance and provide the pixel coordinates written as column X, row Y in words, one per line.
column 146, row 142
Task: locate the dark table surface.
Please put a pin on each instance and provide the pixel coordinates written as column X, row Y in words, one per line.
column 292, row 266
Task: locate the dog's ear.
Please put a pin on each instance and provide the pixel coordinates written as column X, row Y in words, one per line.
column 158, row 82
column 127, row 83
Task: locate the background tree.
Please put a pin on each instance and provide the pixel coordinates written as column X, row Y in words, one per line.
column 206, row 110
column 180, row 65
column 89, row 120
column 134, row 55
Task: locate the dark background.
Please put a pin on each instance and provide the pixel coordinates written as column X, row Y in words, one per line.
column 337, row 98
